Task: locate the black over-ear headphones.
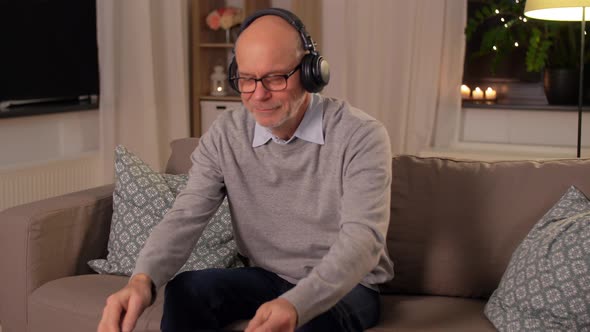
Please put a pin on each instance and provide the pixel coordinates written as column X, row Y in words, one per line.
column 315, row 71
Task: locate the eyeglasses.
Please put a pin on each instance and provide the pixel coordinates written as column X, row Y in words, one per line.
column 274, row 82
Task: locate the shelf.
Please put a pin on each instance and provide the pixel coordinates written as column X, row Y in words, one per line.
column 222, row 98
column 208, row 49
column 217, row 45
column 49, row 108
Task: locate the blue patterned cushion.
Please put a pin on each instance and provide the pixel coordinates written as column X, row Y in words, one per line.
column 140, row 200
column 546, row 286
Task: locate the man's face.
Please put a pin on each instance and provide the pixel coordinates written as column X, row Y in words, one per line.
column 260, row 55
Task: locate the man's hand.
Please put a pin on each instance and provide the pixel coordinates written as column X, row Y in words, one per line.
column 124, row 307
column 278, row 315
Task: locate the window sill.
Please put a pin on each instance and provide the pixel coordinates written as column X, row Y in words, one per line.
column 497, row 152
column 49, row 108
column 516, row 105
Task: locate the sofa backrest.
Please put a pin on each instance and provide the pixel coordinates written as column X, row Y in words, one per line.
column 454, row 224
column 180, row 161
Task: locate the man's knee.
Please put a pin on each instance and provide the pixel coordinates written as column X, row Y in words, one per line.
column 190, row 301
column 193, row 288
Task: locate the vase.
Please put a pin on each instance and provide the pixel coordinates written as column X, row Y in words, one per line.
column 562, row 86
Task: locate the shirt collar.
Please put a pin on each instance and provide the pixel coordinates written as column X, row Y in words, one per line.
column 310, row 129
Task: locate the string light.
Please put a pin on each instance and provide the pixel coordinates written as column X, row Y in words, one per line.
column 515, row 44
column 502, row 19
column 497, row 11
column 520, row 18
column 495, row 48
column 516, row 1
column 524, row 19
column 506, row 26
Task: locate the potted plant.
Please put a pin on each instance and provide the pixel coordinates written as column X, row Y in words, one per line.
column 550, row 47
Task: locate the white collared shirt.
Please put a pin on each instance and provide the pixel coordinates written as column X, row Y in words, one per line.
column 310, row 129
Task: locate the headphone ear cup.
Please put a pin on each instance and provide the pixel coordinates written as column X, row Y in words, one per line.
column 315, row 72
column 307, row 80
column 321, row 72
column 232, row 71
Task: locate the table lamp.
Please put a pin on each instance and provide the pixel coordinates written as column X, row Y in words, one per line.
column 565, row 10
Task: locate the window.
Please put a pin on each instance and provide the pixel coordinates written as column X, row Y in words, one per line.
column 521, row 121
column 502, row 68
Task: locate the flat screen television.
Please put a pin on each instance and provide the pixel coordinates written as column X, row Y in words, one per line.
column 48, row 50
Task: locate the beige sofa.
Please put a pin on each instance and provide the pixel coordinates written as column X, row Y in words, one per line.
column 454, row 225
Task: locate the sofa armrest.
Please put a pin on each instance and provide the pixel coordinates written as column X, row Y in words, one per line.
column 47, row 240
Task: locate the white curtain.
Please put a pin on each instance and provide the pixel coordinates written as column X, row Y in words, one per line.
column 400, row 61
column 144, row 95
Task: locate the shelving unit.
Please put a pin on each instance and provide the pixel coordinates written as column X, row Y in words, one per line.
column 210, row 48
column 224, row 98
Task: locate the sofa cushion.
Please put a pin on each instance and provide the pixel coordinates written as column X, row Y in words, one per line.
column 140, row 200
column 76, row 303
column 455, row 223
column 547, row 283
column 431, row 313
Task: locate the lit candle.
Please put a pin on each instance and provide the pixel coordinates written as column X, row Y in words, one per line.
column 490, row 94
column 477, row 94
column 465, row 91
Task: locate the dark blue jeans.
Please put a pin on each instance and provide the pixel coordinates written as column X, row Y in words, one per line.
column 208, row 300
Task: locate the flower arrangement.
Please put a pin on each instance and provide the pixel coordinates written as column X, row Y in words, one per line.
column 224, row 18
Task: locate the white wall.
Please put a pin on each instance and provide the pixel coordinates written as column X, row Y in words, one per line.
column 492, row 134
column 37, row 139
column 513, row 126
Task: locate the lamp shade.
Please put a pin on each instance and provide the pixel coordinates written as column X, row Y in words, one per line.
column 557, row 10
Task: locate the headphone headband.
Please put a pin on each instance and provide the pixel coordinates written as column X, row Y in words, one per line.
column 308, row 43
column 315, row 71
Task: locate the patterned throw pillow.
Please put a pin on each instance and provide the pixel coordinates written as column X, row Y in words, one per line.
column 546, row 286
column 140, row 200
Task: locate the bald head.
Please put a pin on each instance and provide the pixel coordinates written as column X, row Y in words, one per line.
column 269, row 38
column 271, row 46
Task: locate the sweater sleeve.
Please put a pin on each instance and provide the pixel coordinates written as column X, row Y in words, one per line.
column 363, row 226
column 171, row 241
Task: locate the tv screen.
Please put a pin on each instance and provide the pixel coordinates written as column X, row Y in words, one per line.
column 48, row 49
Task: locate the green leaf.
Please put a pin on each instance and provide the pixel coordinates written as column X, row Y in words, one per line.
column 545, row 43
column 536, row 56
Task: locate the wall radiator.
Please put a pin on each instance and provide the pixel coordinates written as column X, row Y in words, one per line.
column 34, row 182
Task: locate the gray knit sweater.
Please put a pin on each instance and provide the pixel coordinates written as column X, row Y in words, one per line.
column 317, row 215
